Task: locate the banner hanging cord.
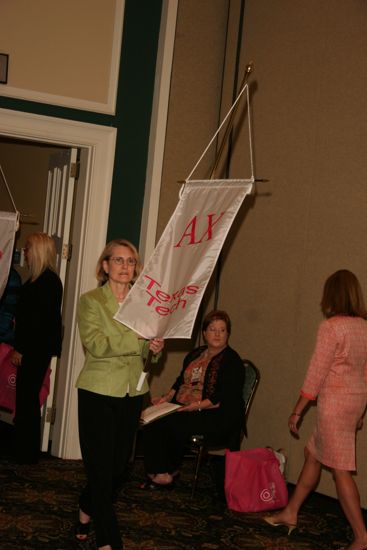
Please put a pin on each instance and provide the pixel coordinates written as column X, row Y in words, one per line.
column 219, row 129
column 10, row 195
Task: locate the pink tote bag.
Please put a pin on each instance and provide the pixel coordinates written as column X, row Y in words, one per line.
column 8, row 379
column 253, row 481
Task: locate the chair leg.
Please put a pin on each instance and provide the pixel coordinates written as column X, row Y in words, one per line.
column 218, row 474
column 197, row 469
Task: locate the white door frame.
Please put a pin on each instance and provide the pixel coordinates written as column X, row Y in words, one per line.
column 61, row 183
column 97, row 145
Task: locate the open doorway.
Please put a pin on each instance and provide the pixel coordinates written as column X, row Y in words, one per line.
column 40, row 184
column 96, row 146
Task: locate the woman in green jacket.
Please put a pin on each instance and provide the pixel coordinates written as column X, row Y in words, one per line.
column 109, row 405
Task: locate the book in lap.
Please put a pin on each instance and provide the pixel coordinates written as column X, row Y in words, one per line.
column 157, row 411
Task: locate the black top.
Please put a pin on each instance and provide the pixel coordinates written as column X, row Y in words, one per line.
column 223, row 382
column 38, row 326
column 8, row 307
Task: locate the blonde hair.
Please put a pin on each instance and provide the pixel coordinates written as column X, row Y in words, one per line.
column 102, row 276
column 42, row 254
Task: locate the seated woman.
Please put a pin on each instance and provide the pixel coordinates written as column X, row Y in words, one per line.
column 210, row 389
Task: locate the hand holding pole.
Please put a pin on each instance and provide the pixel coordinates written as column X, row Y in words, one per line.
column 157, row 345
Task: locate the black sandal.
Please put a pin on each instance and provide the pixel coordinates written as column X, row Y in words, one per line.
column 81, row 531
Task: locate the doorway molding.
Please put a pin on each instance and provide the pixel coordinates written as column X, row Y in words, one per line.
column 97, row 147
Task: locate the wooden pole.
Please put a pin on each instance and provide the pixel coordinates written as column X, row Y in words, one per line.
column 248, row 71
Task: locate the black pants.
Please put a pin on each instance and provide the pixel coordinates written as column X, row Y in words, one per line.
column 107, row 426
column 165, row 440
column 27, row 422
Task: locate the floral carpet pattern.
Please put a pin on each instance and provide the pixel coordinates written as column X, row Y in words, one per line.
column 38, row 506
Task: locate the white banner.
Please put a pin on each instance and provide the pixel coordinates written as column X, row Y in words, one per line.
column 8, row 227
column 166, row 296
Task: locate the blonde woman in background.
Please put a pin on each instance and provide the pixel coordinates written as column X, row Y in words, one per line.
column 38, row 333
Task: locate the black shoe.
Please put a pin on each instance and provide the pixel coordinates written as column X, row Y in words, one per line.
column 81, row 531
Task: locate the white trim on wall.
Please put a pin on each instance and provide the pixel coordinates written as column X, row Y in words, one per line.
column 78, row 103
column 158, row 128
column 97, row 145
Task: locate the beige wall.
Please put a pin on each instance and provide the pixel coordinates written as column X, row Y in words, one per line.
column 62, row 50
column 310, row 133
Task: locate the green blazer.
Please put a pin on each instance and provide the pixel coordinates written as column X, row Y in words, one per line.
column 113, row 352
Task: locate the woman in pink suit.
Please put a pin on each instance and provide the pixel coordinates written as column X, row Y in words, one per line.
column 337, row 378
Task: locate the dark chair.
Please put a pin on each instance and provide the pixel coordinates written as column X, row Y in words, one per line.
column 198, row 441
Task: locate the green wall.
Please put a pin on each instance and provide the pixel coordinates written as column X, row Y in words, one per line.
column 132, row 118
column 137, row 73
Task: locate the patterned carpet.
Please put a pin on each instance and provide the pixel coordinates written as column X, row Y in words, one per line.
column 38, row 509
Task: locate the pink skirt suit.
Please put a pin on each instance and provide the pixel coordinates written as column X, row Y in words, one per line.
column 337, row 378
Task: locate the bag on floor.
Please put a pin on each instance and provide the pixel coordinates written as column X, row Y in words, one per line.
column 8, row 379
column 253, row 481
column 8, row 376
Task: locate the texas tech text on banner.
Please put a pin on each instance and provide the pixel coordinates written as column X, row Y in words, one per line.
column 166, row 296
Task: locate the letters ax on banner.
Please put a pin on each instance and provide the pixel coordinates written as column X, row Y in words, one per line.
column 166, row 296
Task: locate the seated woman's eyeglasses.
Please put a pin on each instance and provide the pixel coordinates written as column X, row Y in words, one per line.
column 118, row 260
